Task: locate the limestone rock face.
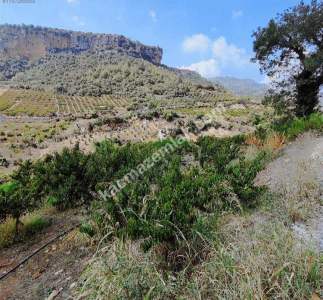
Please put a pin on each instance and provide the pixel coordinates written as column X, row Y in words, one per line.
column 31, row 43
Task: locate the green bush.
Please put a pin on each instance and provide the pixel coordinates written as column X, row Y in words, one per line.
column 293, row 127
column 20, row 195
column 218, row 151
column 63, row 178
column 162, row 204
column 165, row 204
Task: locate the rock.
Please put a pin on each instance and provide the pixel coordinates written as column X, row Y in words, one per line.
column 54, row 294
column 20, row 44
column 73, row 285
column 58, row 272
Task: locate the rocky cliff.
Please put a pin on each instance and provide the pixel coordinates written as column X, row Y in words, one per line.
column 31, row 43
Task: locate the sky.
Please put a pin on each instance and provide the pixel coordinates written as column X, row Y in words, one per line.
column 212, row 37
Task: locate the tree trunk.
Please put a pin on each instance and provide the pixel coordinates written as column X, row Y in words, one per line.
column 18, row 222
column 307, row 95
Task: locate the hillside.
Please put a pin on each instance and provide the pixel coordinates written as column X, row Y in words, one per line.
column 21, row 45
column 87, row 64
column 242, row 87
column 110, row 73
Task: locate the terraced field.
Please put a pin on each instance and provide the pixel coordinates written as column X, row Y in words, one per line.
column 39, row 103
column 78, row 105
column 27, row 102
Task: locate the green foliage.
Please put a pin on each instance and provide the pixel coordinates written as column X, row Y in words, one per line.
column 218, row 151
column 241, row 176
column 87, row 229
column 107, row 72
column 162, row 204
column 63, row 178
column 35, row 225
column 293, row 127
column 8, row 187
column 19, row 196
column 294, row 36
column 167, row 202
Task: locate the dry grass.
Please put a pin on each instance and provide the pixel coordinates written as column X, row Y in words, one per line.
column 253, row 140
column 273, row 141
column 302, row 198
column 255, row 256
column 33, row 223
column 257, row 259
column 121, row 270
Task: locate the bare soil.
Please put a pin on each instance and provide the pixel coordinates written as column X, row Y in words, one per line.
column 54, row 270
column 301, row 160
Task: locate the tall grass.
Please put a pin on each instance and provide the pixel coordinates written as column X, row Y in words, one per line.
column 32, row 223
column 296, row 126
column 251, row 256
column 254, row 257
column 274, row 137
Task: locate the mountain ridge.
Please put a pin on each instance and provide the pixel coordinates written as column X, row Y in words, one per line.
column 241, row 86
column 88, row 64
column 22, row 44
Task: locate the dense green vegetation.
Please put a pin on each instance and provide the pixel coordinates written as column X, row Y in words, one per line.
column 111, row 73
column 172, row 211
column 168, row 199
column 209, row 176
column 293, row 127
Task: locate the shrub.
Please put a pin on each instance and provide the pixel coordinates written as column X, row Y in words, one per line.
column 218, row 151
column 19, row 196
column 293, row 127
column 170, row 116
column 165, row 204
column 192, row 127
column 64, row 178
column 241, row 176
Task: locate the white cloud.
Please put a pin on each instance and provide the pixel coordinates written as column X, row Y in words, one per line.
column 224, row 57
column 207, row 68
column 73, row 1
column 153, row 15
column 237, row 14
column 196, row 43
column 227, row 53
column 77, row 20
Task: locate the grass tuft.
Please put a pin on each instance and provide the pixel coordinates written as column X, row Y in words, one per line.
column 32, row 223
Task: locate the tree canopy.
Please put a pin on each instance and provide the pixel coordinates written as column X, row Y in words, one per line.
column 290, row 51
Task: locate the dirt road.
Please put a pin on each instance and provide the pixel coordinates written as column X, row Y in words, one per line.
column 301, row 161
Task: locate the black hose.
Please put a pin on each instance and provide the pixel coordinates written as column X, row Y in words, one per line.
column 38, row 250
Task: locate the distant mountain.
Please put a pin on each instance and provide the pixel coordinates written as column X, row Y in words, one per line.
column 88, row 64
column 242, row 87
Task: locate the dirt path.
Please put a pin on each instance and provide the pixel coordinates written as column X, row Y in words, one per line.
column 55, row 268
column 301, row 161
column 2, row 90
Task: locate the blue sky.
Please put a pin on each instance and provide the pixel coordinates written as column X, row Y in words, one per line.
column 212, row 37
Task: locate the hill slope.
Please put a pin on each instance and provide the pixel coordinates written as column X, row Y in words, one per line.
column 242, row 87
column 23, row 44
column 87, row 64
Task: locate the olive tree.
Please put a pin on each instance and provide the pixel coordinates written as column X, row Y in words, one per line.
column 290, row 51
column 19, row 195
